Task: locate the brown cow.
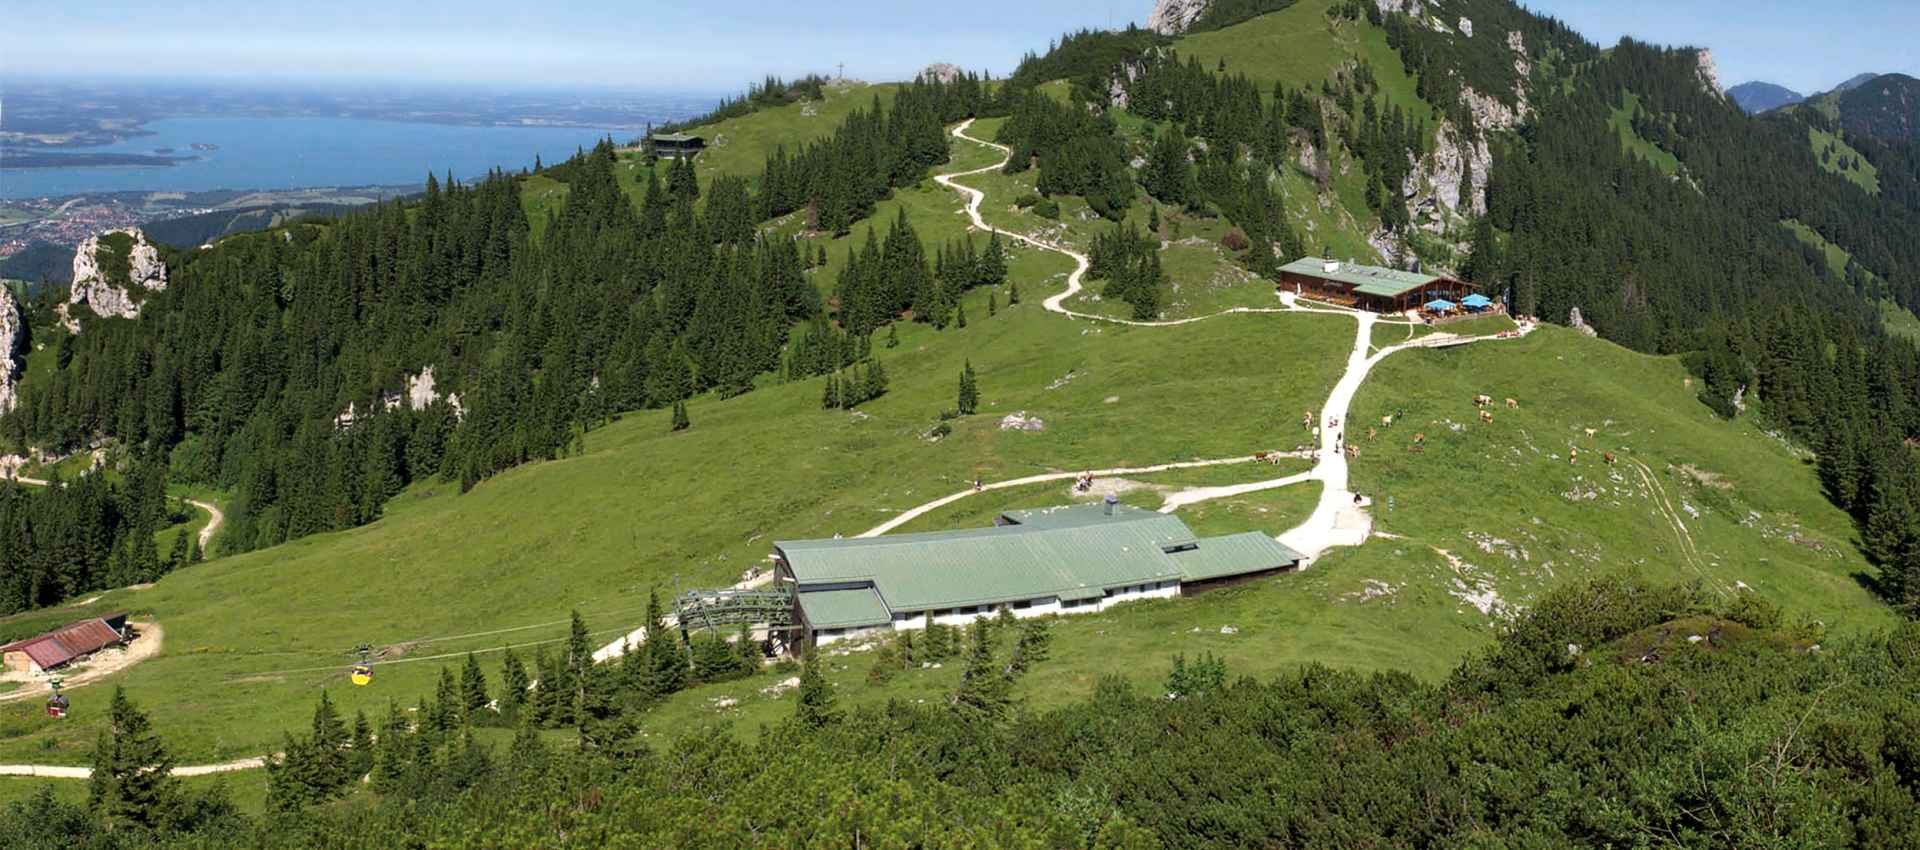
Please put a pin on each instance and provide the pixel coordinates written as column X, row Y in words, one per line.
column 1482, row 400
column 1486, row 417
column 1608, row 456
column 1372, row 433
column 1513, row 404
column 1420, row 437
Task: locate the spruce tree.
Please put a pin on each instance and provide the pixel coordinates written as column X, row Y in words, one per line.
column 968, row 400
column 132, row 782
column 985, row 692
column 447, row 711
column 513, row 685
column 177, row 558
column 1013, row 293
column 748, row 649
column 194, row 555
column 893, row 338
column 329, row 741
column 960, row 316
column 579, row 666
column 473, row 687
column 680, row 422
column 993, row 302
column 360, row 756
column 814, row 705
column 391, row 751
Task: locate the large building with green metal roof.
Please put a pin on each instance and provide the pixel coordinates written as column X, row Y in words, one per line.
column 1064, row 560
column 1374, row 288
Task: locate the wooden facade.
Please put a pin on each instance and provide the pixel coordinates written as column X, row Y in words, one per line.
column 1368, row 287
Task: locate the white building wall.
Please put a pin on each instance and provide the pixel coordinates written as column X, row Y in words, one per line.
column 1049, row 606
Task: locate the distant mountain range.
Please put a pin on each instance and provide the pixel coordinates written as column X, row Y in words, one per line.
column 1757, row 96
column 1886, row 107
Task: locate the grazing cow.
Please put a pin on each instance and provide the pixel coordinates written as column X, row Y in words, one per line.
column 1486, row 416
column 1420, row 437
column 1386, row 421
column 1260, row 455
column 1482, row 400
column 1372, row 433
column 1591, row 432
column 1608, row 456
column 1513, row 404
column 1573, row 456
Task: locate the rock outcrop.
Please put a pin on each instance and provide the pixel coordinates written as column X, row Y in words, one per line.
column 419, row 394
column 113, row 272
column 1518, row 44
column 13, row 338
column 1709, row 75
column 942, row 72
column 1437, row 177
column 1172, row 17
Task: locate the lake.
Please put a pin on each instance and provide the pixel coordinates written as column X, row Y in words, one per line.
column 284, row 153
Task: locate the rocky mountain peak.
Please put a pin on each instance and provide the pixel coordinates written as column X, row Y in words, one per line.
column 113, row 272
column 1709, row 75
column 1172, row 17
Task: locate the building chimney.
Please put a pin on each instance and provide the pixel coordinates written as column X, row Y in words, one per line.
column 1110, row 502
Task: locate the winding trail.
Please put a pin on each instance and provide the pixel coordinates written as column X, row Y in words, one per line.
column 1338, row 518
column 214, row 521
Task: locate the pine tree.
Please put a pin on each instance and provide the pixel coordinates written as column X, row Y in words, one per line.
column 985, row 692
column 329, row 741
column 680, row 422
column 360, row 756
column 178, row 556
column 527, row 756
column 814, row 707
column 579, row 667
column 960, row 316
column 473, row 687
column 893, row 339
column 993, row 302
column 194, row 555
column 968, row 400
column 513, row 685
column 748, row 649
column 1013, row 293
column 447, row 711
column 992, row 268
column 391, row 751
column 131, row 783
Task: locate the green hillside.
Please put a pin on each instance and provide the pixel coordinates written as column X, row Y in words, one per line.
column 1605, row 463
column 1622, row 122
column 1837, row 156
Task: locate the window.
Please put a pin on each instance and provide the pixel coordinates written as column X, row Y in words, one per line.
column 1023, row 604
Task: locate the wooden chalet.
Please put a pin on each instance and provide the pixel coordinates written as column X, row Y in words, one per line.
column 675, row 145
column 1381, row 290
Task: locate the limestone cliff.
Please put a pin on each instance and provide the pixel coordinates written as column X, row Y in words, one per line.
column 1709, row 75
column 13, row 337
column 113, row 272
column 1172, row 17
column 944, row 72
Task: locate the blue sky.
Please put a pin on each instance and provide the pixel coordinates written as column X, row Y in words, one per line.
column 718, row 46
column 1805, row 46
